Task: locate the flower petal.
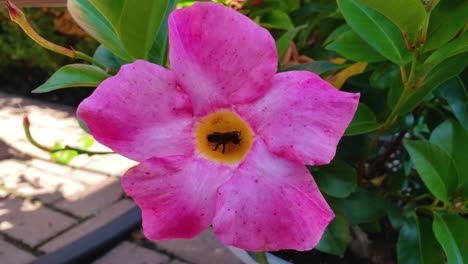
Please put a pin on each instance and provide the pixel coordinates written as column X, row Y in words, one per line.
column 220, row 56
column 176, row 194
column 140, row 113
column 270, row 204
column 301, row 117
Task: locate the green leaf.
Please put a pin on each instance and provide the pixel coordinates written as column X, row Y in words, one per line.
column 452, row 233
column 353, row 47
column 336, row 179
column 158, row 52
column 86, row 142
column 408, row 15
column 317, row 67
column 282, row 44
column 107, row 58
column 275, row 19
column 456, row 94
column 62, row 157
column 364, row 121
column 286, row 6
column 83, row 126
column 336, row 237
column 455, row 47
column 73, row 75
column 385, row 75
column 446, row 21
column 417, row 244
column 376, row 30
column 336, row 34
column 430, row 251
column 408, row 243
column 364, row 206
column 451, row 136
column 136, row 24
column 446, row 70
column 93, row 22
column 435, row 167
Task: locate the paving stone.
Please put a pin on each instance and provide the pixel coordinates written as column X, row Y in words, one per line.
column 11, row 166
column 204, row 249
column 114, row 165
column 12, row 129
column 26, row 148
column 87, row 177
column 9, row 254
column 3, row 193
column 30, row 222
column 103, row 218
column 49, row 166
column 42, row 184
column 127, row 252
column 93, row 199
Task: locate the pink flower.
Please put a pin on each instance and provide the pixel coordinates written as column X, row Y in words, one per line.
column 258, row 195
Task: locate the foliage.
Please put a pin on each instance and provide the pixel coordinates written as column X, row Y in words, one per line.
column 401, row 167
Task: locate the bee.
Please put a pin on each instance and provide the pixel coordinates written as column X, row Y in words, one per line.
column 224, row 138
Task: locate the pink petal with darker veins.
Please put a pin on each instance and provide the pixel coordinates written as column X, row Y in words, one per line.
column 176, row 194
column 220, row 57
column 140, row 113
column 301, row 117
column 270, row 204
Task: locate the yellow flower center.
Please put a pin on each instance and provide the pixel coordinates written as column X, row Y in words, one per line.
column 223, row 136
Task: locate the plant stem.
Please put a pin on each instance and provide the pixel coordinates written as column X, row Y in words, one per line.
column 85, row 57
column 407, row 88
column 261, row 257
column 27, row 132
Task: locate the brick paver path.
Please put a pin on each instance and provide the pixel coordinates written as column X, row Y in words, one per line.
column 45, row 205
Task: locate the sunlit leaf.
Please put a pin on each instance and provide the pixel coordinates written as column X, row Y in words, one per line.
column 73, row 75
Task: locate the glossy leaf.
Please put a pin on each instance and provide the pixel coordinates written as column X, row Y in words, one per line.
column 336, row 237
column 417, row 244
column 351, row 46
column 435, row 167
column 159, row 49
column 107, row 58
column 455, row 47
column 136, row 24
column 73, row 75
column 452, row 233
column 444, row 71
column 430, row 251
column 275, row 19
column 376, row 30
column 337, row 179
column 456, row 94
column 282, row 44
column 93, row 22
column 83, row 126
column 385, row 76
column 408, row 15
column 364, row 206
column 446, row 21
column 408, row 243
column 317, row 67
column 364, row 121
column 451, row 136
column 336, row 34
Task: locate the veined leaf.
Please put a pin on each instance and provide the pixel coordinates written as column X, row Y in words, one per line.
column 136, row 23
column 376, row 30
column 73, row 75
